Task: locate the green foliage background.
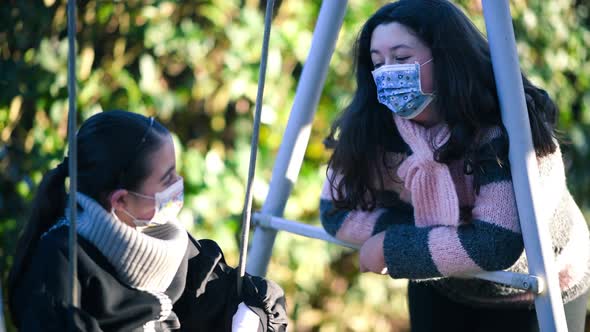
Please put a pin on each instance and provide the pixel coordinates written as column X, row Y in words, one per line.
column 194, row 65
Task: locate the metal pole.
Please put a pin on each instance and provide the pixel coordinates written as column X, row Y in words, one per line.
column 247, row 210
column 517, row 280
column 525, row 173
column 296, row 137
column 73, row 149
column 294, row 227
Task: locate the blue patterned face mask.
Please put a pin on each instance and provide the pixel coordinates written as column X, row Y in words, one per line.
column 398, row 88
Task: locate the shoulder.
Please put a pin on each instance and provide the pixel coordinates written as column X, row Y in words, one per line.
column 52, row 253
column 492, row 139
column 488, row 161
column 48, row 268
column 55, row 240
column 204, row 247
column 206, row 260
column 493, row 144
column 492, row 147
column 491, row 157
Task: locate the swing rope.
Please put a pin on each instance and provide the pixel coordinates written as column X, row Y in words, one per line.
column 73, row 156
column 72, row 160
column 247, row 210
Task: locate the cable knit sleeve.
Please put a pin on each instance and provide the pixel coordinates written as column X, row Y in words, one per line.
column 489, row 240
column 356, row 226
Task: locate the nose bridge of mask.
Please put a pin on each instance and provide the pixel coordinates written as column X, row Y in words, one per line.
column 167, row 204
column 398, row 78
column 400, row 67
column 172, row 195
column 168, row 192
column 405, row 67
column 394, row 67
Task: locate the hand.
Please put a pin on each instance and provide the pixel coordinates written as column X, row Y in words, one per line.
column 371, row 257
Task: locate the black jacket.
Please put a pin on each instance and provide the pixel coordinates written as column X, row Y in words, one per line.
column 203, row 293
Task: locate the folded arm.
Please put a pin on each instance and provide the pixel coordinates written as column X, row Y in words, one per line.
column 356, row 226
column 488, row 241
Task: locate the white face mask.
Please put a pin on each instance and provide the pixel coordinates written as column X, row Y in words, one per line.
column 168, row 204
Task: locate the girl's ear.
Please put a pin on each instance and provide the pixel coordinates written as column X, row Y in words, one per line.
column 118, row 199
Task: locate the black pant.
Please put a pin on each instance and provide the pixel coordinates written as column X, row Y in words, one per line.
column 431, row 311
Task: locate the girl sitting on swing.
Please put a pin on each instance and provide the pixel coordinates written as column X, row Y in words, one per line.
column 138, row 268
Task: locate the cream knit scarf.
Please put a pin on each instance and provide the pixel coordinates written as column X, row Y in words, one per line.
column 434, row 197
column 145, row 259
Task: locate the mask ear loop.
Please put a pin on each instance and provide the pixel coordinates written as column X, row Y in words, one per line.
column 142, row 195
column 419, row 69
column 115, row 215
column 427, row 61
column 136, row 222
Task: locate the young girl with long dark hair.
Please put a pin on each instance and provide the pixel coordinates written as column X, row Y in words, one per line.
column 420, row 175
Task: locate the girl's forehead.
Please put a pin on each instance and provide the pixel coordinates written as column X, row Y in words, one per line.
column 163, row 157
column 160, row 162
column 391, row 35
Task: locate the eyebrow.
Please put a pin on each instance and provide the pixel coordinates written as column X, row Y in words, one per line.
column 393, row 48
column 167, row 172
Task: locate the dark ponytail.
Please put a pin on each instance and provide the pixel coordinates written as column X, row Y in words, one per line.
column 48, row 205
column 113, row 153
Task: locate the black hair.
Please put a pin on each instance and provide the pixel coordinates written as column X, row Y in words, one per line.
column 113, row 153
column 466, row 99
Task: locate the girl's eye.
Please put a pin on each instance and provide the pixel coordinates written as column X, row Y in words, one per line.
column 401, row 59
column 170, row 179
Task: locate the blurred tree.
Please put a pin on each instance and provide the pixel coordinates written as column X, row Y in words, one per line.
column 194, row 65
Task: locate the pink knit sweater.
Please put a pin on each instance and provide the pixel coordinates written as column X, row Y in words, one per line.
column 426, row 237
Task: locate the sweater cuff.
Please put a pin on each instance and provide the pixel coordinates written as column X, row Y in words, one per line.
column 406, row 253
